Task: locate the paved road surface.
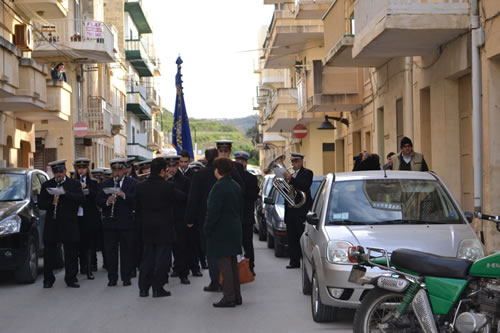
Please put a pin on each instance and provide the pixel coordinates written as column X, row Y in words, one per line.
column 272, row 303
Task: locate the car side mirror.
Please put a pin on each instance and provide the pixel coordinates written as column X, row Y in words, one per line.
column 469, row 216
column 312, row 218
column 268, row 201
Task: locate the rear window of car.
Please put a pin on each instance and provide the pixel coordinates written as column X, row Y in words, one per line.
column 390, row 201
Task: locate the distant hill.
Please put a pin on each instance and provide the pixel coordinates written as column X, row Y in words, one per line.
column 210, row 130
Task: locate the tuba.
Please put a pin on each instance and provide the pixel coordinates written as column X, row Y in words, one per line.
column 288, row 192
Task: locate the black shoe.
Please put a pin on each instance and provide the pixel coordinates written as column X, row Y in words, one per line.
column 112, row 284
column 204, row 266
column 253, row 272
column 143, row 293
column 197, row 273
column 161, row 293
column 127, row 283
column 90, row 276
column 292, row 266
column 174, row 274
column 224, row 304
column 73, row 285
column 239, row 301
column 47, row 285
column 212, row 288
column 184, row 280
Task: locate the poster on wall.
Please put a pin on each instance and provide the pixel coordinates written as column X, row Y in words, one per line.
column 94, row 29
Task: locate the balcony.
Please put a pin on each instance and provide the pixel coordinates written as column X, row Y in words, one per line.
column 31, row 95
column 330, row 89
column 137, row 54
column 154, row 136
column 48, row 9
column 311, row 9
column 139, row 151
column 98, row 118
column 81, row 41
column 136, row 103
column 136, row 12
column 9, row 73
column 398, row 28
column 284, row 110
column 262, row 95
column 287, row 37
column 152, row 97
column 117, row 119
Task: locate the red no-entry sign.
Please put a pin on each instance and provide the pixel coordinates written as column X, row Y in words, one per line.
column 300, row 131
column 80, row 128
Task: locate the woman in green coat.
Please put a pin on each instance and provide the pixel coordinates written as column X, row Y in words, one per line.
column 223, row 230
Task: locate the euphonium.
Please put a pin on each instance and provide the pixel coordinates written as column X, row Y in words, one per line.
column 288, row 191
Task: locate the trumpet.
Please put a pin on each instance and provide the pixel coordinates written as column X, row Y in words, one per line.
column 288, row 191
column 56, row 202
column 117, row 184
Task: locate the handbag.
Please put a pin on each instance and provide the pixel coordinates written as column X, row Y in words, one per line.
column 246, row 275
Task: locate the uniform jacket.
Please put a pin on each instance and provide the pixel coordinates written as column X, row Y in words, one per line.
column 181, row 184
column 302, row 182
column 155, row 202
column 189, row 173
column 223, row 229
column 417, row 162
column 124, row 208
column 91, row 215
column 251, row 194
column 65, row 227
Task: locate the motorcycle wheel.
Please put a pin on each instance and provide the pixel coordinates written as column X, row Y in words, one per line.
column 379, row 303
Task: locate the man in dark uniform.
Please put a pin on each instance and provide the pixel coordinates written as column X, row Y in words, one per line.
column 98, row 175
column 180, row 249
column 61, row 223
column 143, row 169
column 130, row 167
column 119, row 226
column 251, row 195
column 184, row 168
column 195, row 167
column 301, row 180
column 224, row 148
column 88, row 217
column 155, row 212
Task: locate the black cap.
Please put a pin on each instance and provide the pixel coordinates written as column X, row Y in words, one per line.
column 57, row 166
column 406, row 141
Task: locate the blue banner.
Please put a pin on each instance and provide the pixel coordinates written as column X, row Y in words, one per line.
column 181, row 133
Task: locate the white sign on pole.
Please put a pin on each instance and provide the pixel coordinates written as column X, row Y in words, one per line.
column 94, row 29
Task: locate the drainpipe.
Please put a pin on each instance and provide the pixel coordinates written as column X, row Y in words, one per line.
column 477, row 116
column 408, row 98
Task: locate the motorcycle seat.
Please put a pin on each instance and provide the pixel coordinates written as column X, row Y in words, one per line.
column 428, row 264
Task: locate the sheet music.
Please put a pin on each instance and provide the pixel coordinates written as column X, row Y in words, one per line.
column 56, row 190
column 112, row 190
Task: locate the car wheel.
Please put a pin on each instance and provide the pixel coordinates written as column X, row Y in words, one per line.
column 279, row 250
column 262, row 232
column 28, row 272
column 321, row 313
column 306, row 282
column 270, row 241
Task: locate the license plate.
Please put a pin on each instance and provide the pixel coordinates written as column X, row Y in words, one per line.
column 357, row 273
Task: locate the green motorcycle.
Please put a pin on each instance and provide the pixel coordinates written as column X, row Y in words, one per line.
column 423, row 292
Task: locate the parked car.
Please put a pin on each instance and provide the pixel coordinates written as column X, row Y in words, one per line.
column 21, row 222
column 391, row 210
column 259, row 212
column 277, row 238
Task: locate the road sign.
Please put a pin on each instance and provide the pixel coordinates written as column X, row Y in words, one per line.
column 80, row 128
column 300, row 131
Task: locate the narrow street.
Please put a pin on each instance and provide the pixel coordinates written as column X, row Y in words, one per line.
column 272, row 303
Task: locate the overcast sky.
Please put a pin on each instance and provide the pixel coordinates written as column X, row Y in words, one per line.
column 210, row 36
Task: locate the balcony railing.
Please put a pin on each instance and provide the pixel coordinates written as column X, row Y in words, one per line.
column 139, row 151
column 98, row 117
column 137, row 104
column 153, row 135
column 283, row 96
column 138, row 55
column 52, row 9
column 82, row 40
column 311, row 9
column 152, row 97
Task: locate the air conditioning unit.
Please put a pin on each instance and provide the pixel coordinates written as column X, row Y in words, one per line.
column 23, row 37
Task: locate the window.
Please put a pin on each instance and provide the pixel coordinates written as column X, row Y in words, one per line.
column 36, row 185
column 12, row 187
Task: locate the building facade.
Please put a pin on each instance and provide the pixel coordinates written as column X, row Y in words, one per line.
column 390, row 69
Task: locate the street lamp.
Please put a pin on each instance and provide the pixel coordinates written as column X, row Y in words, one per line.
column 326, row 125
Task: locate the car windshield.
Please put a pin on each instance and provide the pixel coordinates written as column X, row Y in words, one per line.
column 12, row 187
column 268, row 185
column 389, row 201
column 280, row 200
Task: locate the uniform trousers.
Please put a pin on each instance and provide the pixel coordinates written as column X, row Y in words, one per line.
column 155, row 265
column 70, row 262
column 88, row 244
column 213, row 270
column 122, row 241
column 193, row 248
column 294, row 230
column 228, row 266
column 248, row 243
column 180, row 251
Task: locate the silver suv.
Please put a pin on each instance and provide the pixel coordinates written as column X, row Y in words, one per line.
column 391, row 210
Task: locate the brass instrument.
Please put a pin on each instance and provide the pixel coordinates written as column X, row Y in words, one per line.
column 56, row 202
column 288, row 191
column 117, row 184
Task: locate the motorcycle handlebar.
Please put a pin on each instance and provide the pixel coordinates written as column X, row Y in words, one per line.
column 491, row 218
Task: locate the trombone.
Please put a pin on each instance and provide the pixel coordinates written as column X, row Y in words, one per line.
column 288, row 191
